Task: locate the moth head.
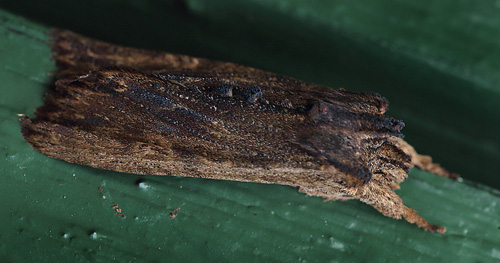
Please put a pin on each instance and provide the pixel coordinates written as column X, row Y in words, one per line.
column 351, row 144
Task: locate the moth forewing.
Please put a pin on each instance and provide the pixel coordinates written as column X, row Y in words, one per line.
column 138, row 111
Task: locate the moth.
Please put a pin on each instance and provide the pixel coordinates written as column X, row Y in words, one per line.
column 146, row 112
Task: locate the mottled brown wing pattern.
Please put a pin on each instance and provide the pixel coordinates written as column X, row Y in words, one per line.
column 76, row 55
column 145, row 112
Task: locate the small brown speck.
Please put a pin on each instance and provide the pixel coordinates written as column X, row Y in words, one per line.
column 174, row 212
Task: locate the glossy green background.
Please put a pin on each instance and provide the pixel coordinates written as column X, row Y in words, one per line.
column 436, row 62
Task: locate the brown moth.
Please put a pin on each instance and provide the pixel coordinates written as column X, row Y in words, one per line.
column 145, row 112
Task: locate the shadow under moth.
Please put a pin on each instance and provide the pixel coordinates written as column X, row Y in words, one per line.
column 146, row 112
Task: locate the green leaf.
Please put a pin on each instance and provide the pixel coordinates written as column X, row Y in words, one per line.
column 437, row 62
column 444, row 88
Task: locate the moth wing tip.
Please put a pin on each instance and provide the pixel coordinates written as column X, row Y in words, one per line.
column 24, row 119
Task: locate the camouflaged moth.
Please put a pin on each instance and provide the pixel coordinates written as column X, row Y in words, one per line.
column 145, row 112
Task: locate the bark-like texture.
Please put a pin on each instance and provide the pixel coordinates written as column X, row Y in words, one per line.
column 147, row 112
